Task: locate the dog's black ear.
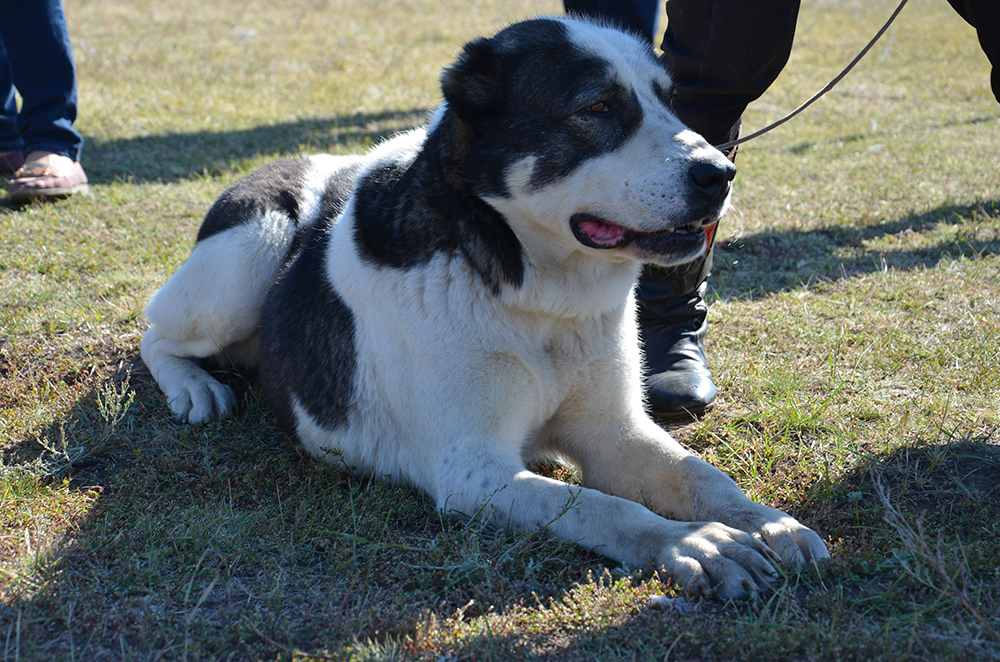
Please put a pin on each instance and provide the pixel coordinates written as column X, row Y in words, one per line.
column 471, row 86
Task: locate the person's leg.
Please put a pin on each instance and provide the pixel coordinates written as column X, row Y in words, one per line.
column 40, row 61
column 11, row 157
column 984, row 15
column 638, row 16
column 36, row 41
column 722, row 54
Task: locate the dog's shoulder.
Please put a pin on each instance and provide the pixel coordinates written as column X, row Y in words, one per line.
column 411, row 204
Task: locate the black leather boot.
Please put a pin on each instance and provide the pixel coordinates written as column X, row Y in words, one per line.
column 672, row 327
column 712, row 89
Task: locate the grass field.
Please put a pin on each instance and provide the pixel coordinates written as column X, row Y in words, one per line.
column 855, row 339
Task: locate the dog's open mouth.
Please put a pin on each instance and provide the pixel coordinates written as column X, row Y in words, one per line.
column 596, row 232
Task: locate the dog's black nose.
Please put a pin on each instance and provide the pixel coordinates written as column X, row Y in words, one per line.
column 712, row 177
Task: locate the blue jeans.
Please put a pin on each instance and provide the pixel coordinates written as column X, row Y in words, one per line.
column 36, row 59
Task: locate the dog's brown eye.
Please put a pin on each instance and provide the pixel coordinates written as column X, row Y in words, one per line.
column 600, row 107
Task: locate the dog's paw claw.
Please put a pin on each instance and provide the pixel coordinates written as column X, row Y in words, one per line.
column 722, row 562
column 794, row 543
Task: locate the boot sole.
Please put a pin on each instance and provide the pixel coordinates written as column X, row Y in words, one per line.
column 682, row 414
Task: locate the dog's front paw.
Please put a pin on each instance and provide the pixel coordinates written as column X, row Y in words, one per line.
column 793, row 542
column 719, row 561
column 202, row 401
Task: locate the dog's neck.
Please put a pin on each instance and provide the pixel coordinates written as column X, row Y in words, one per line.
column 570, row 283
column 477, row 231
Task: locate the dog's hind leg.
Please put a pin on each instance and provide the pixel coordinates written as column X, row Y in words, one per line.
column 210, row 308
column 193, row 394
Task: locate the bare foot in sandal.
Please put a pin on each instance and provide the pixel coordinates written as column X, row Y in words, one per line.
column 46, row 176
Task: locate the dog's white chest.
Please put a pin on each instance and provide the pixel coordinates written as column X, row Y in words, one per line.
column 566, row 362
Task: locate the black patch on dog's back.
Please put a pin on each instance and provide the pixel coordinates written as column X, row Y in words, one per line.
column 307, row 345
column 393, row 225
column 338, row 191
column 275, row 187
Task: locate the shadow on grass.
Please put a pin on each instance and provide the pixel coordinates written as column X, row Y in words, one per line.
column 881, row 597
column 177, row 156
column 782, row 260
column 227, row 539
column 951, row 483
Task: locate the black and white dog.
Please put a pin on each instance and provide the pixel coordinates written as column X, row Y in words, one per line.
column 458, row 301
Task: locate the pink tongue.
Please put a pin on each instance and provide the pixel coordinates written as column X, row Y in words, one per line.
column 603, row 234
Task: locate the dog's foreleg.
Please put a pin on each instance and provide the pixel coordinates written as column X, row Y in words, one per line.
column 647, row 465
column 704, row 556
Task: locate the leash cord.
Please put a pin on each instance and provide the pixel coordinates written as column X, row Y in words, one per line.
column 829, row 86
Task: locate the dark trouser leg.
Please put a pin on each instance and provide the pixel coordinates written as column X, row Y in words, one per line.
column 722, row 54
column 39, row 59
column 984, row 15
column 638, row 16
column 9, row 138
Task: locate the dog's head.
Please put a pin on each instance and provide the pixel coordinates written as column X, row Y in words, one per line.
column 568, row 132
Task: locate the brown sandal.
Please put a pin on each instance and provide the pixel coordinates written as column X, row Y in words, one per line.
column 37, row 181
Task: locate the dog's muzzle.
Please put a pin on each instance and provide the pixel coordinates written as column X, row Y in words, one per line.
column 599, row 233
